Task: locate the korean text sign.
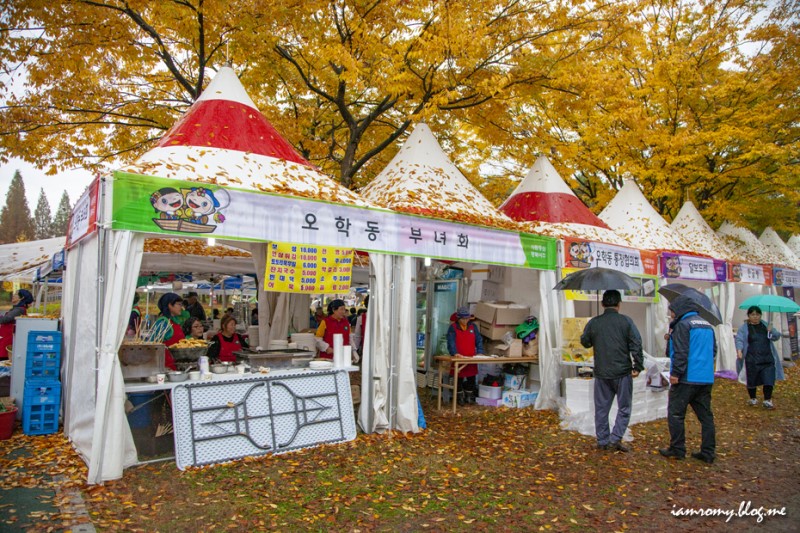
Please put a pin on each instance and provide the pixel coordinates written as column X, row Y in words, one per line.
column 308, row 269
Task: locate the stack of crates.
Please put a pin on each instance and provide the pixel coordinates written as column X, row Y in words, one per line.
column 42, row 396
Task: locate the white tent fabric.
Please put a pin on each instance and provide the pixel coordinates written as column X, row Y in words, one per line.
column 565, row 230
column 631, row 216
column 689, row 223
column 775, row 244
column 550, row 314
column 421, row 179
column 727, row 306
column 388, row 384
column 19, row 260
column 112, row 444
column 794, row 244
column 745, row 244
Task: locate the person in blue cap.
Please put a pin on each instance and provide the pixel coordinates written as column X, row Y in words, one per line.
column 20, row 301
column 464, row 340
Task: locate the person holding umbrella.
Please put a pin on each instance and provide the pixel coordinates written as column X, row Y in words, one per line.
column 692, row 349
column 756, row 351
column 615, row 340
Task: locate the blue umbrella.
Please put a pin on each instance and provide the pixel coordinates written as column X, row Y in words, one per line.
column 706, row 308
column 770, row 303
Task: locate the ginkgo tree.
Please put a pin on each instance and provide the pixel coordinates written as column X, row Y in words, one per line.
column 680, row 102
column 342, row 80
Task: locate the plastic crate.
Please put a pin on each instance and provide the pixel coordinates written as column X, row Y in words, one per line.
column 43, row 358
column 41, row 407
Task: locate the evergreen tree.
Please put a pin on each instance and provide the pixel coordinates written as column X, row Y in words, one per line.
column 15, row 220
column 59, row 227
column 42, row 223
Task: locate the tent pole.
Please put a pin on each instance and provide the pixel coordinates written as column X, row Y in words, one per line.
column 100, row 303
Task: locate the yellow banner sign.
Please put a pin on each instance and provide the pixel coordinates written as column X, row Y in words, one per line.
column 308, row 269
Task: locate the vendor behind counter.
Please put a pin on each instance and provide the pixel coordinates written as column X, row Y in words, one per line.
column 223, row 345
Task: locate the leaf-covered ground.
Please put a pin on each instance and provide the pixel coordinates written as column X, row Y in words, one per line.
column 484, row 469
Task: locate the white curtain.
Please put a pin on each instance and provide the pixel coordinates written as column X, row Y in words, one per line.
column 726, row 358
column 79, row 329
column 259, row 253
column 405, row 390
column 372, row 416
column 550, row 314
column 660, row 318
column 112, row 443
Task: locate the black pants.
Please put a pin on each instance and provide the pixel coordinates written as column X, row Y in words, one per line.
column 681, row 396
column 468, row 384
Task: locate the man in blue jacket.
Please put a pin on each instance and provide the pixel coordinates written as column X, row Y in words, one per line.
column 692, row 349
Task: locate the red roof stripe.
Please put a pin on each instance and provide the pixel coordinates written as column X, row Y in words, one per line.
column 550, row 207
column 230, row 125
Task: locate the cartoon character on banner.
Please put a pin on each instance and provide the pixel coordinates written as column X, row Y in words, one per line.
column 167, row 202
column 580, row 254
column 736, row 272
column 673, row 265
column 191, row 210
column 778, row 277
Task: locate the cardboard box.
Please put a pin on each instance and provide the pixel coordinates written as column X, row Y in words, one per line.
column 492, row 393
column 493, row 332
column 488, row 402
column 486, row 272
column 518, row 399
column 502, row 313
column 483, row 290
column 515, row 350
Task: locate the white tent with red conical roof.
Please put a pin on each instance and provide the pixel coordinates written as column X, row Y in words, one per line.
column 222, row 139
column 543, row 203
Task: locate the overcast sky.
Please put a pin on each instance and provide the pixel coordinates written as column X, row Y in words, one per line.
column 73, row 181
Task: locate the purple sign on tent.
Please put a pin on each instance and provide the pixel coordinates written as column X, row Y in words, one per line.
column 677, row 266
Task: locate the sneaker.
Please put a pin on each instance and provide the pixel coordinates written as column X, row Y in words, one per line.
column 753, row 401
column 619, row 447
column 670, row 453
column 768, row 404
column 702, row 457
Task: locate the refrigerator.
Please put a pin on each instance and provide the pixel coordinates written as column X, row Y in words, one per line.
column 437, row 300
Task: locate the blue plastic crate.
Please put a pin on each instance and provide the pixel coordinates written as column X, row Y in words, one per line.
column 43, row 365
column 47, row 337
column 41, row 407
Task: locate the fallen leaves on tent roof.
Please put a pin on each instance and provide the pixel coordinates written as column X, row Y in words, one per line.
column 191, row 247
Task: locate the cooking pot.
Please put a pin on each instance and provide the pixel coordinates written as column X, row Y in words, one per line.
column 221, row 368
column 177, row 376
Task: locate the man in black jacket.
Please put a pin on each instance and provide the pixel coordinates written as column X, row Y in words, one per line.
column 615, row 340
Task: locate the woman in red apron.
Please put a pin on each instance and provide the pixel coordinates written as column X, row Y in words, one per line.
column 335, row 322
column 20, row 301
column 166, row 329
column 226, row 342
column 464, row 339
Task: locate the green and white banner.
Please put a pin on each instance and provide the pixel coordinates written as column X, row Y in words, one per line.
column 194, row 209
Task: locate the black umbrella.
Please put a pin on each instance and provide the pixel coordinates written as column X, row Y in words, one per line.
column 706, row 308
column 597, row 279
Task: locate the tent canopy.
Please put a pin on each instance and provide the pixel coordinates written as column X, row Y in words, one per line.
column 744, row 243
column 20, row 260
column 422, row 180
column 631, row 215
column 543, row 203
column 775, row 244
column 689, row 223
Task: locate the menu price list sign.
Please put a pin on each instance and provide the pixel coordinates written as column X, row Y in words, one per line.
column 308, row 269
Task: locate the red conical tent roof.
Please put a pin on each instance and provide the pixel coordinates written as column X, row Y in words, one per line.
column 224, row 139
column 543, row 196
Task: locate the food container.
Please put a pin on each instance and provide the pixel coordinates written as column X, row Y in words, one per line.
column 152, row 379
column 178, row 376
column 194, row 375
column 188, row 354
column 220, row 368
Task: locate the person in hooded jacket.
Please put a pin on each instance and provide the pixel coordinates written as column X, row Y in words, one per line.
column 167, row 329
column 692, row 349
column 20, row 301
column 464, row 340
column 755, row 349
